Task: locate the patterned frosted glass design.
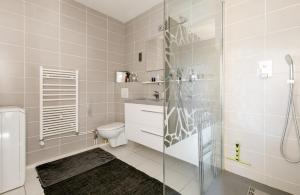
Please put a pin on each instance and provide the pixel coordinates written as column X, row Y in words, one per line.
column 193, row 120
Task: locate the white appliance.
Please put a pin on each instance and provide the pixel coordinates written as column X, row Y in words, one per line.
column 12, row 148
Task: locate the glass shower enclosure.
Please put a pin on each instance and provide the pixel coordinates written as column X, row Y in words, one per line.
column 193, row 107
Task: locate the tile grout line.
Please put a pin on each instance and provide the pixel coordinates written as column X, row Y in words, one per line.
column 59, row 57
column 264, row 95
column 86, row 75
column 107, row 72
column 24, row 57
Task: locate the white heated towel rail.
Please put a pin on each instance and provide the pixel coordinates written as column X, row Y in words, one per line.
column 58, row 102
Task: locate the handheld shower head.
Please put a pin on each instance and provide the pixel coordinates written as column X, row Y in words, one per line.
column 289, row 60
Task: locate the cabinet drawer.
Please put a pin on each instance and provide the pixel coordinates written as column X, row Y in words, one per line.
column 132, row 132
column 142, row 135
column 151, row 140
column 145, row 115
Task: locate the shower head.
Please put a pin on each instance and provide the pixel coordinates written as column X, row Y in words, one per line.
column 289, row 60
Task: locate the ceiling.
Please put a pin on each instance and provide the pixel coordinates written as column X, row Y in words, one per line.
column 122, row 10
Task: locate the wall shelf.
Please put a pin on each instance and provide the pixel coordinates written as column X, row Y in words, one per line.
column 150, row 82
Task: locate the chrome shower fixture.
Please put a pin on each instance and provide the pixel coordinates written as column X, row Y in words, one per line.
column 290, row 111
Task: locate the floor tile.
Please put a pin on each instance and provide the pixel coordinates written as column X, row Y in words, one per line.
column 192, row 188
column 32, row 184
column 176, row 180
column 186, row 169
column 133, row 160
column 151, row 168
column 18, row 191
column 118, row 151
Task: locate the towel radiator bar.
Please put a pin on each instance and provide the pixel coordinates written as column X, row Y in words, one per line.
column 58, row 103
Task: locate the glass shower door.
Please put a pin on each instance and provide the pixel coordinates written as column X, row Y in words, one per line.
column 193, row 119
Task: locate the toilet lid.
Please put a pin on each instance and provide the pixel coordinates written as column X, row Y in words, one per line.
column 111, row 126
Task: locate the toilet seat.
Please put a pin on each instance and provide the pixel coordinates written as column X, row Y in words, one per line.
column 114, row 133
column 110, row 127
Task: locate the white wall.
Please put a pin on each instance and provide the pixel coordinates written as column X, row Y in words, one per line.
column 257, row 30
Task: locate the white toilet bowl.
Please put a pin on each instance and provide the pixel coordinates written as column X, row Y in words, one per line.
column 114, row 133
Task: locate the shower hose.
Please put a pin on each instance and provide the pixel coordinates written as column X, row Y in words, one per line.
column 290, row 114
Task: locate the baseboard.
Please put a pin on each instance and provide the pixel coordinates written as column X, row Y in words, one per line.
column 64, row 155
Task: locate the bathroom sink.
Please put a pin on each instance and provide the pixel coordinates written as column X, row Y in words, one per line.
column 146, row 101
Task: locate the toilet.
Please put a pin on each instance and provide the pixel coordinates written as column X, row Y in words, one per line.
column 114, row 133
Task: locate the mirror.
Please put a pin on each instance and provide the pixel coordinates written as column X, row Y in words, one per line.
column 154, row 54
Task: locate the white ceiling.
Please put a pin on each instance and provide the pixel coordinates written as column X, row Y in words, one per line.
column 123, row 10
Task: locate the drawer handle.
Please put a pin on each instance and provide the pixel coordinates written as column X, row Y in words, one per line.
column 151, row 133
column 152, row 111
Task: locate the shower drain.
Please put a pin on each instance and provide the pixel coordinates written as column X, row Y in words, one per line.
column 251, row 191
column 254, row 191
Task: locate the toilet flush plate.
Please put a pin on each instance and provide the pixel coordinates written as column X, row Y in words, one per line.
column 124, row 93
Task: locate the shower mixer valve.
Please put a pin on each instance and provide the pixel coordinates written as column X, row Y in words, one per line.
column 264, row 69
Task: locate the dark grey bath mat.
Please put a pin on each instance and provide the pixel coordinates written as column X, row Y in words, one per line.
column 112, row 178
column 97, row 172
column 62, row 169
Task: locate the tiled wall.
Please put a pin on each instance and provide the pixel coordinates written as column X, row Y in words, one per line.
column 257, row 30
column 137, row 32
column 59, row 34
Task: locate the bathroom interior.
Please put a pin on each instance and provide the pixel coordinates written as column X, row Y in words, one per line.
column 191, row 97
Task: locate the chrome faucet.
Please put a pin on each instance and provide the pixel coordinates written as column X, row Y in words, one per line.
column 156, row 95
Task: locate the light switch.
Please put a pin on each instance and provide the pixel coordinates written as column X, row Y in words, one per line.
column 264, row 69
column 124, row 93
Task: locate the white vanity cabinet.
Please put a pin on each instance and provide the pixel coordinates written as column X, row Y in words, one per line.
column 144, row 125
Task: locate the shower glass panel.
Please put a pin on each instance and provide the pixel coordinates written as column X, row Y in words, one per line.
column 193, row 106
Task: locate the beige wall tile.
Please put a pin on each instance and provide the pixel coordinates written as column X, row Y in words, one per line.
column 95, row 75
column 72, row 24
column 12, row 99
column 39, row 13
column 72, row 36
column 11, row 85
column 72, row 11
column 245, row 29
column 9, row 36
column 96, row 54
column 11, row 53
column 72, row 49
column 11, row 69
column 94, row 64
column 32, row 144
column 32, row 99
column 244, row 10
column 32, row 85
column 116, row 26
column 282, row 19
column 41, row 57
column 41, row 155
column 278, row 4
column 96, row 87
column 41, row 42
column 97, row 20
column 11, row 20
column 15, row 6
column 41, row 28
column 94, row 98
column 32, row 114
column 52, row 5
column 96, row 43
column 97, row 32
column 32, row 129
